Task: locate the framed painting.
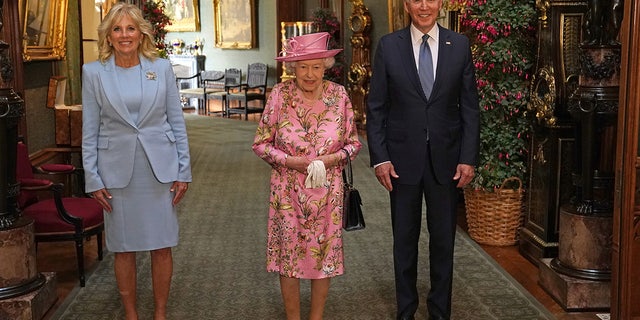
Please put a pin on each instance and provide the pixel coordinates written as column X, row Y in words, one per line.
column 235, row 24
column 184, row 15
column 398, row 17
column 44, row 25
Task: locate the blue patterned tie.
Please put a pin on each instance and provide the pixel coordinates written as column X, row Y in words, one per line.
column 425, row 66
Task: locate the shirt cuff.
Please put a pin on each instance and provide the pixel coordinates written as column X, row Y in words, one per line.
column 381, row 163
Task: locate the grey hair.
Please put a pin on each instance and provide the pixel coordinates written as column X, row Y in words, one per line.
column 328, row 63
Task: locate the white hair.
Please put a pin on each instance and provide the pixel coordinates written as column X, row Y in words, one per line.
column 328, row 63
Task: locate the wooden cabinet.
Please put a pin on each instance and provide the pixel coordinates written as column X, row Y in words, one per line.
column 68, row 119
column 552, row 144
column 551, row 161
column 68, row 125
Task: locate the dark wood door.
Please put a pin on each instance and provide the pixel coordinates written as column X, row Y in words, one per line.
column 626, row 230
column 286, row 10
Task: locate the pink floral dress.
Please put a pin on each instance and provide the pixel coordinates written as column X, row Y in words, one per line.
column 304, row 237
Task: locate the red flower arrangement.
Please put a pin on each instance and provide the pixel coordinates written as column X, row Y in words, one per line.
column 502, row 34
column 153, row 11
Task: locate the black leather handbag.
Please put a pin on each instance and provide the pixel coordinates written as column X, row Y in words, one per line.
column 352, row 218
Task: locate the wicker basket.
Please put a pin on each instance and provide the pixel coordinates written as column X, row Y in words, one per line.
column 494, row 218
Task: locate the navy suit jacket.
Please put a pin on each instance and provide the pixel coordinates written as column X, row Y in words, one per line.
column 399, row 115
column 110, row 134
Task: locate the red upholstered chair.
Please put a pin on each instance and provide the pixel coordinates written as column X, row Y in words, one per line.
column 57, row 218
column 74, row 182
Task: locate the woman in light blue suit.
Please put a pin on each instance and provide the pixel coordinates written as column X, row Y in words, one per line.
column 135, row 150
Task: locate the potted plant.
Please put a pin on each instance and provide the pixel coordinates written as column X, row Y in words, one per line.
column 502, row 33
column 154, row 12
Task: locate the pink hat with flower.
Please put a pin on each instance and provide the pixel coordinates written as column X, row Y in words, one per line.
column 307, row 47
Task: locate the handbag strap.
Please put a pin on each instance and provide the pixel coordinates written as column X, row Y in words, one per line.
column 347, row 173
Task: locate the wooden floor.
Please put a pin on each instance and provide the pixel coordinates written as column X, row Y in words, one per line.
column 60, row 258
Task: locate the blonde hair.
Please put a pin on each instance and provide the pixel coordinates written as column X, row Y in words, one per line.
column 328, row 62
column 147, row 47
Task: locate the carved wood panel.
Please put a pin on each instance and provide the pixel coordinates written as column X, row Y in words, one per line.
column 555, row 78
column 359, row 73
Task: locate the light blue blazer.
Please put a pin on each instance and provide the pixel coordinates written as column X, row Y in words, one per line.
column 110, row 135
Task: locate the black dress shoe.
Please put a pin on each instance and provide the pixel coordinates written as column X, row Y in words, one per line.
column 406, row 317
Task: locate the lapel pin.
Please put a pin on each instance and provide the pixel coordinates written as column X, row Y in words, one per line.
column 448, row 42
column 151, row 75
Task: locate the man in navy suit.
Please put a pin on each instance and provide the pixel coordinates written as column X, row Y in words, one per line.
column 423, row 143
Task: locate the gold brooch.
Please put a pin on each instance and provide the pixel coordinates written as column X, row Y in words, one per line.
column 151, row 75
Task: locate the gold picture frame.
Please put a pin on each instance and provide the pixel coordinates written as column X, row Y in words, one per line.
column 398, row 17
column 44, row 26
column 185, row 15
column 235, row 24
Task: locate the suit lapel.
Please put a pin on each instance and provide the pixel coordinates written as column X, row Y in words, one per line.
column 405, row 49
column 150, row 80
column 111, row 89
column 444, row 52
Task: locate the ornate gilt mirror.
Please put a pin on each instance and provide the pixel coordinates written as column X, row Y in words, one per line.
column 43, row 25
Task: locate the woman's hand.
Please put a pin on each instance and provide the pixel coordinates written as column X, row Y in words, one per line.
column 102, row 196
column 299, row 164
column 180, row 188
column 331, row 160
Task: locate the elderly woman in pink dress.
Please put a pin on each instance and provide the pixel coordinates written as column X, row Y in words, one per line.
column 305, row 134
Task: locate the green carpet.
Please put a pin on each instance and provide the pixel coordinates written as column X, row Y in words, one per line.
column 220, row 262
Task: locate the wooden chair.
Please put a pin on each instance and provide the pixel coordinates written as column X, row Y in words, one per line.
column 184, row 81
column 58, row 218
column 254, row 90
column 209, row 81
column 232, row 81
column 212, row 82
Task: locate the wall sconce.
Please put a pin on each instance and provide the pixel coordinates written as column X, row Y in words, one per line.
column 99, row 4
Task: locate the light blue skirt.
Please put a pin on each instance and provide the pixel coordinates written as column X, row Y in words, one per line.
column 143, row 217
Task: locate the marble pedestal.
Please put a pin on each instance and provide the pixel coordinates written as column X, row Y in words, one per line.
column 18, row 273
column 25, row 294
column 574, row 294
column 33, row 305
column 584, row 249
column 579, row 278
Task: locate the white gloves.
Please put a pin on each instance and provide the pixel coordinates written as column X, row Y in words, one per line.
column 316, row 175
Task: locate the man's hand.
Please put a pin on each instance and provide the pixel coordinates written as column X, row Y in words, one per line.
column 464, row 173
column 384, row 173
